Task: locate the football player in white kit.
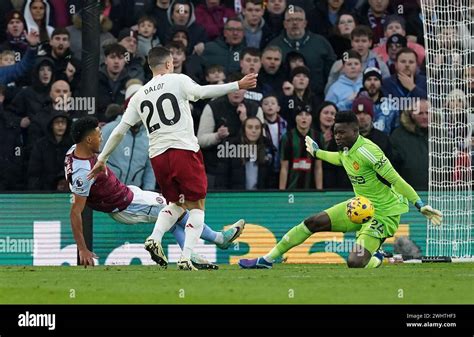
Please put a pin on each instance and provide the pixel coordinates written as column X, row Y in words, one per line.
column 125, row 204
column 163, row 106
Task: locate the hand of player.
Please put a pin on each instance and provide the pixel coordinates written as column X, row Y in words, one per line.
column 98, row 167
column 311, row 146
column 248, row 82
column 432, row 214
column 86, row 258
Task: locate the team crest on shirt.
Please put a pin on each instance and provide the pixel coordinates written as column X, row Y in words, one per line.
column 159, row 200
column 79, row 182
column 356, row 166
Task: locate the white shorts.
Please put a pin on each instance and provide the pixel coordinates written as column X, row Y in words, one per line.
column 145, row 207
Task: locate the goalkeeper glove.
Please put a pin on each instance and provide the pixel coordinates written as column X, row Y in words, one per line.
column 431, row 213
column 311, row 146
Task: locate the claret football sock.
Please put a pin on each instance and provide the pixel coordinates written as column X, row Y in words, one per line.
column 296, row 236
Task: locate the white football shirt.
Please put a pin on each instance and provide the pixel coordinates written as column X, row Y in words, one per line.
column 163, row 106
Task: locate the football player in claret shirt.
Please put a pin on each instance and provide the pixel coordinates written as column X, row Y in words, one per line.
column 373, row 177
column 125, row 204
column 163, row 106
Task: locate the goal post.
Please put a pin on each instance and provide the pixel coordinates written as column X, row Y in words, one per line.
column 449, row 43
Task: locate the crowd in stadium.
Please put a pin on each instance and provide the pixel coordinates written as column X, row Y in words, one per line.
column 314, row 58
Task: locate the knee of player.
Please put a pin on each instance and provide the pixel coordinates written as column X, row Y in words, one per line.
column 355, row 261
column 318, row 223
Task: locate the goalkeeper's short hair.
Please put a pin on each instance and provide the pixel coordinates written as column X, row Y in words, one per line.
column 347, row 117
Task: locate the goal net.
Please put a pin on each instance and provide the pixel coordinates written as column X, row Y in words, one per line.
column 449, row 43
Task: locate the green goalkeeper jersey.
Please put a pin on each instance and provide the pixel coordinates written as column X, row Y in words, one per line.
column 373, row 176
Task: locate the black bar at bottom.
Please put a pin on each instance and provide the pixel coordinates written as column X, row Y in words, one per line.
column 239, row 320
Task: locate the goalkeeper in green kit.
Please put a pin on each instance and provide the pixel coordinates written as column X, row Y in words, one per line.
column 372, row 176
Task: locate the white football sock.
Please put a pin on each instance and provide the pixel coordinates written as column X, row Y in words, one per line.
column 166, row 219
column 219, row 238
column 193, row 230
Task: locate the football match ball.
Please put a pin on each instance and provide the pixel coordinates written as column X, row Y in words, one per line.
column 360, row 210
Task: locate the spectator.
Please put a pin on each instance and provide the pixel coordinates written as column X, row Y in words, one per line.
column 361, row 40
column 11, row 153
column 7, row 58
column 182, row 65
column 250, row 62
column 272, row 74
column 146, row 36
column 15, row 34
column 212, row 16
column 112, row 79
column 415, row 31
column 410, row 146
column 406, row 83
column 5, row 7
column 46, row 164
column 60, row 92
column 133, row 64
column 215, row 74
column 275, row 127
column 126, row 13
column 257, row 33
column 340, row 38
column 395, row 24
column 363, row 107
column 297, row 94
column 323, row 18
column 250, row 168
column 323, row 122
column 181, row 13
column 345, row 89
column 222, row 119
column 60, row 13
column 158, row 9
column 37, row 15
column 374, row 15
column 274, row 16
column 130, row 162
column 386, row 116
column 31, row 100
column 394, row 44
column 226, row 51
column 75, row 34
column 316, row 49
column 299, row 170
column 13, row 72
column 58, row 50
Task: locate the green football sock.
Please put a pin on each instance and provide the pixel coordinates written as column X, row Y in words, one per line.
column 373, row 263
column 296, row 236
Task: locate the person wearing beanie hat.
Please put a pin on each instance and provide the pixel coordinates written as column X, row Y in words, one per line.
column 132, row 86
column 363, row 107
column 15, row 33
column 385, row 117
column 127, row 38
column 395, row 43
column 297, row 93
column 395, row 24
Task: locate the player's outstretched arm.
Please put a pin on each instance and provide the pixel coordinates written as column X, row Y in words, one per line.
column 114, row 140
column 313, row 148
column 385, row 169
column 86, row 257
column 196, row 91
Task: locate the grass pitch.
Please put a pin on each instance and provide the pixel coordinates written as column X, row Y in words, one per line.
column 321, row 284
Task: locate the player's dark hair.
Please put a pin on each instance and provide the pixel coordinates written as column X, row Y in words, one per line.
column 82, row 127
column 158, row 55
column 347, row 117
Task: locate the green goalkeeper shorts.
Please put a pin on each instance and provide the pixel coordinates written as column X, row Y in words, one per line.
column 370, row 234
